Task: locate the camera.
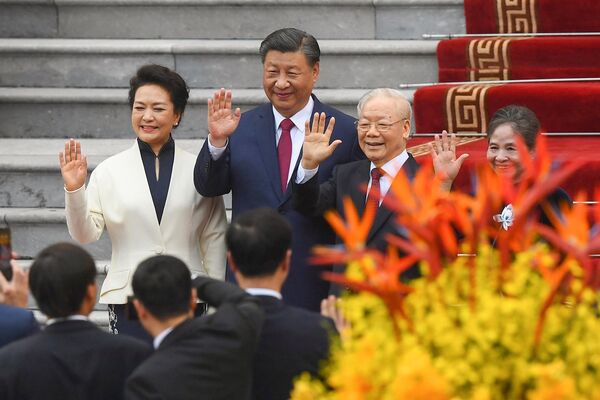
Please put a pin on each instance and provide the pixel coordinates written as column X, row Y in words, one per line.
column 5, row 252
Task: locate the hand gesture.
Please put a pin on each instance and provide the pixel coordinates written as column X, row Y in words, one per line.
column 330, row 308
column 316, row 147
column 443, row 154
column 73, row 165
column 222, row 121
column 16, row 292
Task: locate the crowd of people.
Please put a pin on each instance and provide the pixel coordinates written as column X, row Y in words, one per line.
column 198, row 308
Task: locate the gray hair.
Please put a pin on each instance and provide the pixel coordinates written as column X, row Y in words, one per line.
column 387, row 92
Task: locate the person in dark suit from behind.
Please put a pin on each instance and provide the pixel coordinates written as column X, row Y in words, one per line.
column 255, row 155
column 71, row 358
column 15, row 321
column 208, row 357
column 293, row 340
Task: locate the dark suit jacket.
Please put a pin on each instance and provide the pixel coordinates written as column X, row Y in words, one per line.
column 208, row 357
column 249, row 169
column 69, row 360
column 350, row 180
column 16, row 323
column 293, row 340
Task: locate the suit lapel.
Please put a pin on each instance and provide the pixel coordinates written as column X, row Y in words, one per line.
column 383, row 213
column 264, row 134
column 358, row 182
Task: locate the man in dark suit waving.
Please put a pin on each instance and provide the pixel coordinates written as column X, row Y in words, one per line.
column 208, row 357
column 293, row 340
column 71, row 359
column 255, row 155
column 383, row 128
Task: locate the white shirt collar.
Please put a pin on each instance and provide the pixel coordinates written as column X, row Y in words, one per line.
column 75, row 317
column 299, row 118
column 160, row 337
column 392, row 167
column 264, row 292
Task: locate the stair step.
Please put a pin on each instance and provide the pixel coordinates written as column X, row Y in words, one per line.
column 229, row 19
column 105, row 113
column 207, row 63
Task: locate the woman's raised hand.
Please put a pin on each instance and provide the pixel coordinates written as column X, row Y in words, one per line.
column 222, row 119
column 445, row 162
column 73, row 165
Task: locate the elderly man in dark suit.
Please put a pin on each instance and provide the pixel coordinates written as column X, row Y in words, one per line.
column 255, row 155
column 15, row 321
column 293, row 340
column 71, row 358
column 383, row 129
column 208, row 357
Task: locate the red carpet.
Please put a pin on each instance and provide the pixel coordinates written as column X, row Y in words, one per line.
column 561, row 148
column 531, row 16
column 518, row 58
column 561, row 107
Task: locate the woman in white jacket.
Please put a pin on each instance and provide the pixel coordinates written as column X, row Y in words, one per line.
column 145, row 196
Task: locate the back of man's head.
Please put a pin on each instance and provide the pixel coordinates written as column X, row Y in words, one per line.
column 291, row 40
column 163, row 285
column 258, row 241
column 59, row 279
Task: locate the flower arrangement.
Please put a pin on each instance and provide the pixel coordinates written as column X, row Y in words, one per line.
column 507, row 308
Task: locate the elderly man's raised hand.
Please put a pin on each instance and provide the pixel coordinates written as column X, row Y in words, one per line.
column 222, row 119
column 317, row 148
column 73, row 165
column 16, row 292
column 443, row 154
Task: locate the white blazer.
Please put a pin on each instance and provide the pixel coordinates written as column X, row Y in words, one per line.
column 118, row 197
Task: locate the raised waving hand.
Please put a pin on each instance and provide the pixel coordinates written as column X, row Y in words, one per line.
column 73, row 165
column 222, row 119
column 443, row 154
column 316, row 147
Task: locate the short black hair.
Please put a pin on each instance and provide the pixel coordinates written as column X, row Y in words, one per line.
column 522, row 120
column 291, row 40
column 59, row 278
column 258, row 241
column 163, row 285
column 169, row 80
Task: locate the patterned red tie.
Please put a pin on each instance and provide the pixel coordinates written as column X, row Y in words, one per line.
column 374, row 192
column 284, row 151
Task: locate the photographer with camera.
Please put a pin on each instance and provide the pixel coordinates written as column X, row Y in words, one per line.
column 209, row 357
column 71, row 358
column 16, row 321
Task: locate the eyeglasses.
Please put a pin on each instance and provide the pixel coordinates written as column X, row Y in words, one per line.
column 364, row 127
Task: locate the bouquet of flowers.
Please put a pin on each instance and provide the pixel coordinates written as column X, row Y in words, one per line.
column 506, row 308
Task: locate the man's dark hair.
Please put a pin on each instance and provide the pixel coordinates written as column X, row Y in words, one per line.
column 169, row 80
column 163, row 285
column 59, row 278
column 291, row 40
column 258, row 241
column 522, row 120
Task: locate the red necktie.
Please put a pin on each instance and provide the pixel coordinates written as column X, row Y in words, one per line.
column 284, row 151
column 374, row 192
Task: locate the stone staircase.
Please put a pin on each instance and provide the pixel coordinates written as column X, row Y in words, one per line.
column 65, row 66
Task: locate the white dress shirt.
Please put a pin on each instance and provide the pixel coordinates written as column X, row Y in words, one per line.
column 160, row 337
column 264, row 292
column 390, row 169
